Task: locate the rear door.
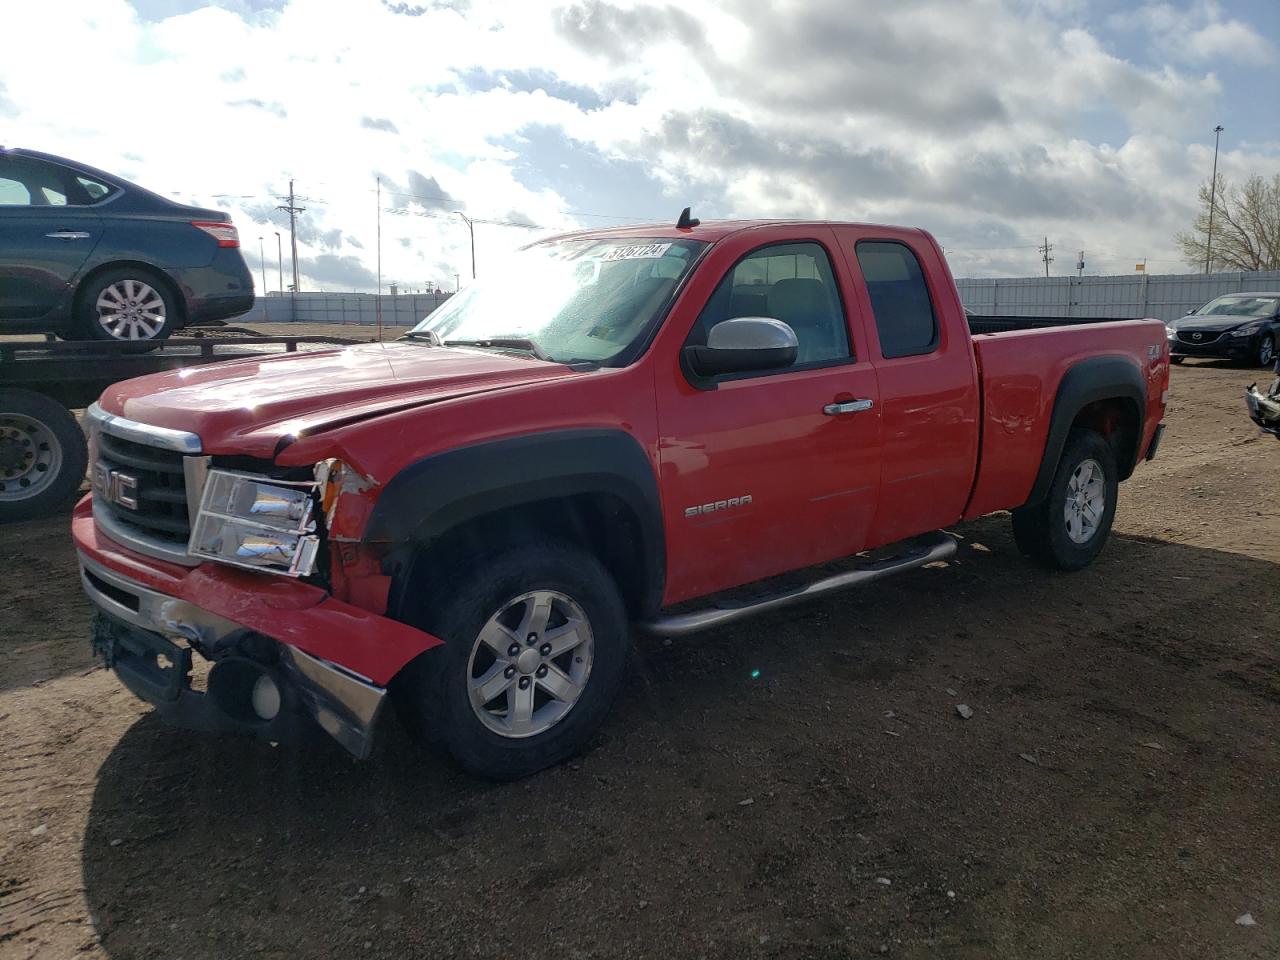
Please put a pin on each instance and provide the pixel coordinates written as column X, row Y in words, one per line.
column 775, row 470
column 47, row 231
column 928, row 380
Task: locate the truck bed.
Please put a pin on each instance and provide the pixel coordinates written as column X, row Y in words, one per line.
column 1021, row 369
column 980, row 323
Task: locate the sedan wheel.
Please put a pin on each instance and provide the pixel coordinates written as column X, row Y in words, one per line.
column 1266, row 351
column 131, row 309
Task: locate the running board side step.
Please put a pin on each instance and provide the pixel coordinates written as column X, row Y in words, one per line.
column 924, row 550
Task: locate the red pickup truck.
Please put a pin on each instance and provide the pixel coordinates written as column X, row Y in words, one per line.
column 646, row 426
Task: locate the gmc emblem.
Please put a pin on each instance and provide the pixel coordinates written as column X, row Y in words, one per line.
column 116, row 486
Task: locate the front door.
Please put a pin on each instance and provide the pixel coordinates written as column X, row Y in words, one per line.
column 779, row 469
column 45, row 237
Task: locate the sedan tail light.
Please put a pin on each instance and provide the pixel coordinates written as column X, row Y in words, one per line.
column 224, row 233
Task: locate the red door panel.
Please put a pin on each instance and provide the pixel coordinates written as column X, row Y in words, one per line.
column 757, row 479
column 929, row 404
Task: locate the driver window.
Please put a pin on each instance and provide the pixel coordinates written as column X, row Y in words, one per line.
column 791, row 282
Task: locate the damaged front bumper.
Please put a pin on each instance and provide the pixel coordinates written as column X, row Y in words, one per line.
column 256, row 685
column 286, row 655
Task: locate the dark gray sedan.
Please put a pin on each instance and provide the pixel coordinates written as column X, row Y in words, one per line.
column 85, row 254
column 1238, row 326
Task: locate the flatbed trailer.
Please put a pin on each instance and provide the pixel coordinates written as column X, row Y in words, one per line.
column 43, row 452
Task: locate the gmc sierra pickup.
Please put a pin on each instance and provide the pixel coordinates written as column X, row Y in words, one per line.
column 624, row 427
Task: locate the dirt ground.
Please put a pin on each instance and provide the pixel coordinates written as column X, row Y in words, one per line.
column 1116, row 792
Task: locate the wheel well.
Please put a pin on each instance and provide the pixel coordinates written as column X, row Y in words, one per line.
column 600, row 523
column 179, row 301
column 1119, row 421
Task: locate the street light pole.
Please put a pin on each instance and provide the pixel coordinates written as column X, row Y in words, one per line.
column 280, row 263
column 262, row 263
column 471, row 227
column 1213, row 197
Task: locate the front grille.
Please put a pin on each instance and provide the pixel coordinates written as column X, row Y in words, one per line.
column 1206, row 337
column 161, row 491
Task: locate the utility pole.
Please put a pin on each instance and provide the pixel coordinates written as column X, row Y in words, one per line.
column 379, row 300
column 262, row 263
column 1044, row 255
column 1213, row 196
column 279, row 264
column 293, row 210
column 1080, row 265
column 471, row 226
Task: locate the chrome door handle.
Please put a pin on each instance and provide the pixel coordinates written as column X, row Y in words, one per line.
column 849, row 406
column 67, row 235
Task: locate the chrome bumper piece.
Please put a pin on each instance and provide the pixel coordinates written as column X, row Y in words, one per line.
column 343, row 704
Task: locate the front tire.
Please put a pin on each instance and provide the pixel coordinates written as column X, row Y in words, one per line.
column 128, row 304
column 536, row 642
column 1070, row 527
column 1176, row 360
column 1266, row 354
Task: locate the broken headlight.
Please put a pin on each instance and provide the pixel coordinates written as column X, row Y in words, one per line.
column 258, row 523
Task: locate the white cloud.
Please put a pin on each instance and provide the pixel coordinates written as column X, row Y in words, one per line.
column 991, row 127
column 1198, row 33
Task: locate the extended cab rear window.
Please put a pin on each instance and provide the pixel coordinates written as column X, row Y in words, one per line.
column 904, row 314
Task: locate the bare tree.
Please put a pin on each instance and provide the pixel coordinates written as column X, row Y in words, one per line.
column 1246, row 227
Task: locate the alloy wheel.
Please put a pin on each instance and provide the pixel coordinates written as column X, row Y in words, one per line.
column 1086, row 501
column 131, row 310
column 530, row 663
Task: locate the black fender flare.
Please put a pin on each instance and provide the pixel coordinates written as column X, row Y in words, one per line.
column 439, row 492
column 1086, row 382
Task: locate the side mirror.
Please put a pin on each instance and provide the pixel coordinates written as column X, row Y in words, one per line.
column 743, row 345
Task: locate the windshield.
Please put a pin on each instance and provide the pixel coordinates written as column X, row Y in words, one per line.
column 1238, row 306
column 569, row 300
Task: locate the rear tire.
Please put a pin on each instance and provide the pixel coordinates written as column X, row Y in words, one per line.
column 478, row 699
column 127, row 304
column 1071, row 526
column 43, row 455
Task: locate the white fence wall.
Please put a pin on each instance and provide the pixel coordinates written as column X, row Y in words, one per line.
column 1165, row 297
column 402, row 310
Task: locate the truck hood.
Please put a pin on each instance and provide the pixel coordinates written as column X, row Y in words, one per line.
column 249, row 406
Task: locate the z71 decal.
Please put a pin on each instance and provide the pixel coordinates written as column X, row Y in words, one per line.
column 717, row 505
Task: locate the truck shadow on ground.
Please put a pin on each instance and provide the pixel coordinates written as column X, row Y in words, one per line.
column 754, row 786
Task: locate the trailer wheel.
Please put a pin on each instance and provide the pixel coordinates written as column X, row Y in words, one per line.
column 43, row 455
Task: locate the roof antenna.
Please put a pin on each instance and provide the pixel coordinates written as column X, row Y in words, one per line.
column 686, row 222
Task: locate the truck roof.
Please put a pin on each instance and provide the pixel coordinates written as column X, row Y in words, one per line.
column 709, row 231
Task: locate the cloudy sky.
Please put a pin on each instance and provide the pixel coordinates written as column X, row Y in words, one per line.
column 990, row 122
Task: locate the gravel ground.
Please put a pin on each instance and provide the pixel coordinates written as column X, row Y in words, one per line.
column 1114, row 793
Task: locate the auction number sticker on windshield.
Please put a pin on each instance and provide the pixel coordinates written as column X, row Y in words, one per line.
column 640, row 251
